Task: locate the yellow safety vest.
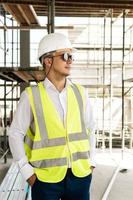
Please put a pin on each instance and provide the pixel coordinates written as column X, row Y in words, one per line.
column 48, row 144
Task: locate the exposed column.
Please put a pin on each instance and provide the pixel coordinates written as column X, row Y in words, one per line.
column 24, row 53
column 51, row 15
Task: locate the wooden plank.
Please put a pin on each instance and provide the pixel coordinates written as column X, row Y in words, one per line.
column 15, row 12
column 29, row 14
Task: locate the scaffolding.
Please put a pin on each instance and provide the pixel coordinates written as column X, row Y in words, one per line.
column 102, row 66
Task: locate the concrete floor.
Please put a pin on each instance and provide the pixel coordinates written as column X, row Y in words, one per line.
column 122, row 188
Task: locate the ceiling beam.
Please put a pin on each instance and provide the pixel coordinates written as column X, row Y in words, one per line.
column 99, row 3
column 29, row 14
column 75, row 8
column 24, row 14
column 15, row 12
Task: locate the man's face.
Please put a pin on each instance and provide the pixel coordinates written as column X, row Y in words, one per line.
column 62, row 63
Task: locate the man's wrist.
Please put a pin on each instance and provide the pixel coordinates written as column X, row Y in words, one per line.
column 27, row 171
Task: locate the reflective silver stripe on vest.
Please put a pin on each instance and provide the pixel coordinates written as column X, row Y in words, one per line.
column 49, row 163
column 78, row 136
column 82, row 135
column 80, row 155
column 39, row 112
column 44, row 143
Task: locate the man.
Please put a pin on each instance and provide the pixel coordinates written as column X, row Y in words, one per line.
column 52, row 133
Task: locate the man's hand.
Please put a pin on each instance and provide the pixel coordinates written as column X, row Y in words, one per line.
column 32, row 180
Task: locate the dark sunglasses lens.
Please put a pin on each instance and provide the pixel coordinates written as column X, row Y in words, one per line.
column 67, row 56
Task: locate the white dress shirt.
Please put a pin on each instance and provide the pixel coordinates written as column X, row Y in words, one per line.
column 23, row 118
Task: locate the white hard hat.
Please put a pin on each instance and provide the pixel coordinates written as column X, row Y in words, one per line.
column 53, row 42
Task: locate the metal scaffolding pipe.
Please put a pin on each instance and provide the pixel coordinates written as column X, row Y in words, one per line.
column 15, row 69
column 17, row 44
column 111, row 88
column 52, row 15
column 8, row 85
column 131, row 137
column 10, row 99
column 11, row 114
column 129, row 28
column 120, row 15
column 97, row 117
column 103, row 117
column 17, row 96
column 34, row 27
column 123, row 76
column 12, row 61
column 5, row 105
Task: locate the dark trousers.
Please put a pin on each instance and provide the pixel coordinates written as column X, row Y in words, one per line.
column 70, row 188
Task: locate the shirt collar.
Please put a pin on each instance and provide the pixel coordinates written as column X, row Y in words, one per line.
column 49, row 85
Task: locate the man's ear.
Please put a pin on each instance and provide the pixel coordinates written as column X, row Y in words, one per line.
column 47, row 62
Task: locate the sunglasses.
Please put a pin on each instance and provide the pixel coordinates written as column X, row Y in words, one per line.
column 66, row 56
